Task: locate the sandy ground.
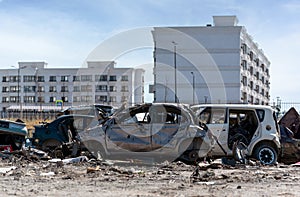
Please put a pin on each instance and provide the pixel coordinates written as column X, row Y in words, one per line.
column 115, row 178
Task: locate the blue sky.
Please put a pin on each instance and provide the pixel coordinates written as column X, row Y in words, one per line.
column 63, row 33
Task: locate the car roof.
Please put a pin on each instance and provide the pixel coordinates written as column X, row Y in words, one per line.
column 75, row 115
column 240, row 106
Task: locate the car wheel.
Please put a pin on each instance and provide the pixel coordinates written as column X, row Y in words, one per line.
column 50, row 144
column 266, row 154
column 193, row 155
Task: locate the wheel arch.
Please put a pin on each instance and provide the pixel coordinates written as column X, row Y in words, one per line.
column 265, row 142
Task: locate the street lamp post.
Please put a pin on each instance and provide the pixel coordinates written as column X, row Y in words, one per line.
column 193, row 87
column 175, row 72
column 18, row 90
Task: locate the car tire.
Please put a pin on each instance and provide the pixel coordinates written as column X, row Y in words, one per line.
column 266, row 154
column 193, row 155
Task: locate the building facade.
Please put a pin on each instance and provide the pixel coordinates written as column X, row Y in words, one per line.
column 217, row 63
column 33, row 84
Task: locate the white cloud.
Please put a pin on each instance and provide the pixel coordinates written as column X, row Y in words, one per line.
column 292, row 6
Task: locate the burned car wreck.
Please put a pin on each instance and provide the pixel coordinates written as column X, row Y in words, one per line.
column 12, row 135
column 152, row 132
column 252, row 126
column 290, row 146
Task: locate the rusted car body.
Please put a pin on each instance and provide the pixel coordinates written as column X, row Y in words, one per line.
column 290, row 137
column 290, row 146
column 12, row 134
column 291, row 120
column 62, row 130
column 153, row 132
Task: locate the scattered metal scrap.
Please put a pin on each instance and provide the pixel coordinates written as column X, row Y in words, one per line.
column 290, row 137
column 12, row 135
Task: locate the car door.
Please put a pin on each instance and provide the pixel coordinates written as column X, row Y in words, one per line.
column 129, row 134
column 165, row 124
column 216, row 121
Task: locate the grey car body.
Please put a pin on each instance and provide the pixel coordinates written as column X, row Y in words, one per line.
column 152, row 132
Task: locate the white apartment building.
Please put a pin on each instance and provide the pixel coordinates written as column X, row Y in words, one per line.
column 217, row 63
column 32, row 85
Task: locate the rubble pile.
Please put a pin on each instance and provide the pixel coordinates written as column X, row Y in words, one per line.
column 33, row 172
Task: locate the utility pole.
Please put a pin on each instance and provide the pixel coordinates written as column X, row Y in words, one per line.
column 193, row 87
column 175, row 72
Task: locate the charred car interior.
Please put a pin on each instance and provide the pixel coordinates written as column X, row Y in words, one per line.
column 159, row 130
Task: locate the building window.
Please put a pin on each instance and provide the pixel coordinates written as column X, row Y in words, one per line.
column 76, row 78
column 29, row 99
column 76, row 89
column 244, row 81
column 41, row 99
column 86, row 78
column 52, row 89
column 244, row 48
column 101, row 88
column 251, row 55
column 5, row 99
column 14, row 89
column 52, row 99
column 251, row 70
column 5, row 89
column 112, row 88
column 267, row 83
column 267, row 71
column 41, row 89
column 52, row 79
column 64, row 78
column 13, row 99
column 29, row 89
column 244, row 65
column 251, row 99
column 29, row 78
column 124, row 89
column 101, row 77
column 13, row 78
column 5, row 79
column 64, row 89
column 112, row 99
column 257, row 75
column 76, row 98
column 262, row 92
column 100, row 98
column 251, row 85
column 262, row 79
column 86, row 99
column 257, row 62
column 123, row 98
column 113, row 78
column 263, row 67
column 86, row 88
column 41, row 79
column 64, row 99
column 124, row 78
column 257, row 89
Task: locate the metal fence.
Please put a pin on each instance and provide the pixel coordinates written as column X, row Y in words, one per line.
column 29, row 115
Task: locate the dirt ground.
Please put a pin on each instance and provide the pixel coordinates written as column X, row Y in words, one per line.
column 23, row 176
